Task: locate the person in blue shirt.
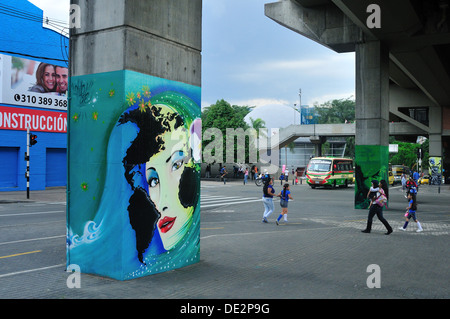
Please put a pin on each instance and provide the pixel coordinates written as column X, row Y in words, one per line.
column 416, row 176
column 284, row 195
column 268, row 193
column 411, row 213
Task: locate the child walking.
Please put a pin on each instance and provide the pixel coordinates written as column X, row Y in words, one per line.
column 411, row 212
column 284, row 195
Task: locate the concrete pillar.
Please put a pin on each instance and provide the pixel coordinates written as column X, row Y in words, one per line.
column 435, row 145
column 372, row 118
column 317, row 142
column 134, row 110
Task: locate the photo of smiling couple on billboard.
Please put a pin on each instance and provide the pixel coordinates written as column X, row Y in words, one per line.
column 39, row 77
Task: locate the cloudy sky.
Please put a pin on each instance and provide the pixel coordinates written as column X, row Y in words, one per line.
column 248, row 59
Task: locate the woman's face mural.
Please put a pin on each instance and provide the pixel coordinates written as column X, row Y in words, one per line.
column 134, row 186
column 166, row 183
column 162, row 152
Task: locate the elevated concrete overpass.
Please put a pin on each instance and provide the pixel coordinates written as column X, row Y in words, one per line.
column 318, row 132
column 402, row 52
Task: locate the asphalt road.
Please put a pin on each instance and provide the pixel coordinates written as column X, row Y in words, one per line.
column 319, row 253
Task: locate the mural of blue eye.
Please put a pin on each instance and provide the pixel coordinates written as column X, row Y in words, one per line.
column 152, row 177
column 153, row 182
column 177, row 160
column 177, row 165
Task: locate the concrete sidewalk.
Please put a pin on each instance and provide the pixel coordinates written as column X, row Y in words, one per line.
column 51, row 194
column 320, row 253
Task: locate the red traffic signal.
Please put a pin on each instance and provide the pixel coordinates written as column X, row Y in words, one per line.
column 33, row 139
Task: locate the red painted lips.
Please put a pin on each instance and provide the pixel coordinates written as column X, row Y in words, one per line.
column 166, row 224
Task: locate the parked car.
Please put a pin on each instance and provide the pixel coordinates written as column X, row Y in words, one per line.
column 424, row 180
column 391, row 178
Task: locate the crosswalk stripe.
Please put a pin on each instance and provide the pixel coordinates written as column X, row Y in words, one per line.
column 218, row 200
column 229, row 199
column 229, row 203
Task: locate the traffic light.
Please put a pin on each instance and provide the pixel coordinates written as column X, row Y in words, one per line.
column 420, row 153
column 33, row 139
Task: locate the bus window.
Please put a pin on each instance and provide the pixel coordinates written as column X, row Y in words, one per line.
column 329, row 172
column 322, row 165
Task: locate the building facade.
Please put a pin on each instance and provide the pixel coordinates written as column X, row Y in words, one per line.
column 33, row 88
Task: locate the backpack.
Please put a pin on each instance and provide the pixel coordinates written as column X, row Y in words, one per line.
column 382, row 199
column 413, row 190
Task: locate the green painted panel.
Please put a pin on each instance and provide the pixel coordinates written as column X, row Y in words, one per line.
column 371, row 162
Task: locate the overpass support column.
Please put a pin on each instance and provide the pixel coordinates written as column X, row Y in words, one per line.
column 372, row 118
column 435, row 145
column 133, row 137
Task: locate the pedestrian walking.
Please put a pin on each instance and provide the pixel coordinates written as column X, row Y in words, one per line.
column 268, row 193
column 403, row 182
column 245, row 175
column 223, row 174
column 416, row 176
column 411, row 213
column 378, row 199
column 284, row 195
column 281, row 179
column 208, row 171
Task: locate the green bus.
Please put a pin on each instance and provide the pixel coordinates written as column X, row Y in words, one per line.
column 329, row 171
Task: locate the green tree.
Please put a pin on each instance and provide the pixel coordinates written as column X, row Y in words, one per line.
column 407, row 154
column 222, row 116
column 335, row 112
column 257, row 124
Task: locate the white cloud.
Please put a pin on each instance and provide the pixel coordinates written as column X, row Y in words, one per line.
column 332, row 65
column 56, row 11
column 258, row 102
column 275, row 115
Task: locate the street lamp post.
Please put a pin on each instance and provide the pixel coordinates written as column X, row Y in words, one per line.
column 300, row 105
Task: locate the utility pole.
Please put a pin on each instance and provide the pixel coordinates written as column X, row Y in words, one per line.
column 300, row 105
column 27, row 158
column 31, row 140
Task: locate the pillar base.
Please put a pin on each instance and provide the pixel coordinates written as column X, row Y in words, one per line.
column 371, row 163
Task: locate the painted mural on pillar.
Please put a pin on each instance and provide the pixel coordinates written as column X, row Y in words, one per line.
column 134, row 175
column 435, row 163
column 371, row 162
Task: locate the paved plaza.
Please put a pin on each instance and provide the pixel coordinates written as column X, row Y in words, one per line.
column 319, row 253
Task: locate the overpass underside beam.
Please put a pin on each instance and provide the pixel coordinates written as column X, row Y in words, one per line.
column 325, row 24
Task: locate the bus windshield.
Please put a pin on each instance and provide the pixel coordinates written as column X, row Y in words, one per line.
column 319, row 165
